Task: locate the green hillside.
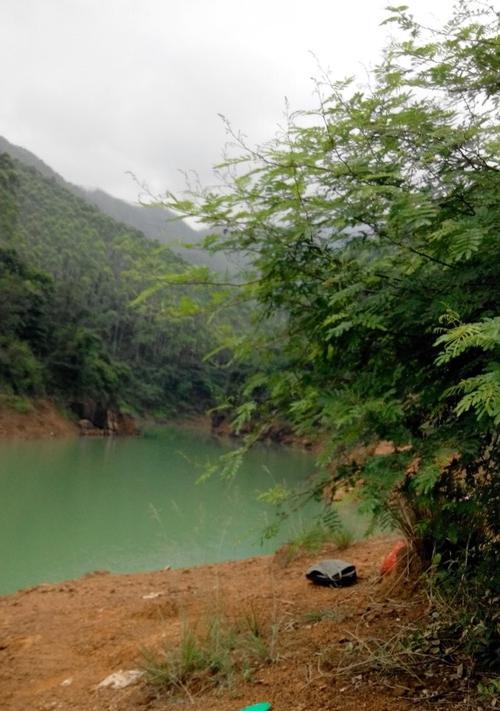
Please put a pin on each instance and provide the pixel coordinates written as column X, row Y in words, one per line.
column 68, row 276
column 155, row 222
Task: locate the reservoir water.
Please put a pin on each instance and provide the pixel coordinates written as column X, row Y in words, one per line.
column 125, row 505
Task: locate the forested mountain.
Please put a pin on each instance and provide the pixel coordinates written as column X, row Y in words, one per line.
column 155, row 222
column 68, row 277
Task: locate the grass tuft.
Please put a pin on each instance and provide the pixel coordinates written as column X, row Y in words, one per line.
column 311, row 540
column 213, row 657
column 343, row 538
column 324, row 614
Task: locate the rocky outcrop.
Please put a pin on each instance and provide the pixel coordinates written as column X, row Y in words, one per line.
column 98, row 420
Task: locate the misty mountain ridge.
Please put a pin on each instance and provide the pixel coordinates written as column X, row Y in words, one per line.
column 155, row 222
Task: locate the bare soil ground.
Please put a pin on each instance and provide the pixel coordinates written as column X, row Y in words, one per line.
column 59, row 641
column 42, row 420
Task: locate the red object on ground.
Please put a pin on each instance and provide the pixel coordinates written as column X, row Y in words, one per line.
column 390, row 559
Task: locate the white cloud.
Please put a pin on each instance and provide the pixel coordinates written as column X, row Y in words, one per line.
column 98, row 88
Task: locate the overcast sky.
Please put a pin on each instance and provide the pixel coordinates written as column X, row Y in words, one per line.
column 97, row 88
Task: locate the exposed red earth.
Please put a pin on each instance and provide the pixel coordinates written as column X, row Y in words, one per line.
column 58, row 641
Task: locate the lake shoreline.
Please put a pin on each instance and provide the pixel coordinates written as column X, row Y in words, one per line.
column 61, row 640
column 38, row 419
column 35, row 419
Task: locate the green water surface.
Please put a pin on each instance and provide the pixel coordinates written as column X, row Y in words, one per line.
column 125, row 505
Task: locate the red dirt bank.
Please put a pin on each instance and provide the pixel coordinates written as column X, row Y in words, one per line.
column 84, row 630
column 41, row 421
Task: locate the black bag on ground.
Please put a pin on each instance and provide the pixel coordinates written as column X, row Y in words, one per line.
column 332, row 573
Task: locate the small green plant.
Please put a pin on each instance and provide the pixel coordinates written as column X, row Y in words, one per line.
column 311, row 540
column 467, row 623
column 213, row 657
column 16, row 402
column 324, row 614
column 197, row 662
column 489, row 689
column 401, row 653
column 254, row 641
column 440, row 653
column 308, row 540
column 343, row 538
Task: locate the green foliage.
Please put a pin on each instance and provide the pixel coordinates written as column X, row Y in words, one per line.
column 25, row 296
column 465, row 624
column 277, row 494
column 197, row 659
column 367, row 222
column 311, row 539
column 489, row 689
column 343, row 538
column 16, row 402
column 481, row 392
column 19, row 366
column 8, row 205
column 213, row 657
column 75, row 323
column 327, row 613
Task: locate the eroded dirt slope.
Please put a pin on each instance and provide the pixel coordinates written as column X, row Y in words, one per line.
column 42, row 420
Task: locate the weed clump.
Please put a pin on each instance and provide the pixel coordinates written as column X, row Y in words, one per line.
column 325, row 613
column 311, row 540
column 213, row 657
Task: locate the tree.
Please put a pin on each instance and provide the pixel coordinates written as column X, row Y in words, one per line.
column 372, row 227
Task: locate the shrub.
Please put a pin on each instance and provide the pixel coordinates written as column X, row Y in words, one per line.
column 371, row 225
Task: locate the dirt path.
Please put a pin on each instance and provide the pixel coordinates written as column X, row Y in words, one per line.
column 57, row 642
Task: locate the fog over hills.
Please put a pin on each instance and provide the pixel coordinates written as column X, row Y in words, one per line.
column 155, row 222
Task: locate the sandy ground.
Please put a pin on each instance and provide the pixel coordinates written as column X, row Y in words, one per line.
column 59, row 641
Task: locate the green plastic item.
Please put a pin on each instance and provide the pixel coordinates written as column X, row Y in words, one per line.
column 263, row 706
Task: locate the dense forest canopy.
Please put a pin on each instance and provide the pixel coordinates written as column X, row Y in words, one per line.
column 372, row 224
column 68, row 277
column 153, row 221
